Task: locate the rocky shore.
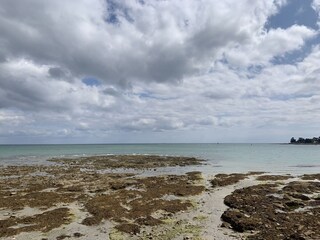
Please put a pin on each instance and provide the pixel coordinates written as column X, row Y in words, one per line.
column 99, row 198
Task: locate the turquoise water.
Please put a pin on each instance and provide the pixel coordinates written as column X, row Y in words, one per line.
column 277, row 158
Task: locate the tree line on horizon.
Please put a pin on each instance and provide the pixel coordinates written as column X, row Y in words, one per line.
column 314, row 140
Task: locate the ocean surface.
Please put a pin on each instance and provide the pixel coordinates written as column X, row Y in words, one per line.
column 226, row 158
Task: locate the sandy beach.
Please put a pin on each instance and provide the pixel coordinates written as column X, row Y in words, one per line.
column 130, row 197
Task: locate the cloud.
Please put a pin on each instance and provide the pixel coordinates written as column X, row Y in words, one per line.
column 97, row 70
column 27, row 86
column 266, row 46
column 56, row 72
column 316, row 7
column 155, row 41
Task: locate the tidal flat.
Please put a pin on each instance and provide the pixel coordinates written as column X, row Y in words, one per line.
column 132, row 197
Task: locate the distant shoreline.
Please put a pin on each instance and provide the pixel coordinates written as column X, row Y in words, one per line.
column 312, row 141
column 304, row 143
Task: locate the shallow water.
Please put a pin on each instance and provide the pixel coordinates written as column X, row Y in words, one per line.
column 276, row 158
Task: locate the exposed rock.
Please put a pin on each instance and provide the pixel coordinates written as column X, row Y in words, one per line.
column 311, row 176
column 227, row 179
column 129, row 228
column 121, row 197
column 222, row 179
column 273, row 177
column 148, row 221
column 130, row 161
column 239, row 221
column 40, row 222
column 302, row 187
column 61, row 237
column 269, row 211
column 300, row 196
column 77, row 235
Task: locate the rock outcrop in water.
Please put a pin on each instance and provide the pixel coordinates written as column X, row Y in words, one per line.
column 314, row 140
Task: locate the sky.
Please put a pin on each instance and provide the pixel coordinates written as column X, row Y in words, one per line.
column 159, row 71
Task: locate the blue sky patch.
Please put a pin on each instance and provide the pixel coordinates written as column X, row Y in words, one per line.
column 297, row 12
column 90, row 81
column 114, row 10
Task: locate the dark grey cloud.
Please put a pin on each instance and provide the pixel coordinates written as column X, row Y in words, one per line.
column 2, row 58
column 26, row 96
column 56, row 72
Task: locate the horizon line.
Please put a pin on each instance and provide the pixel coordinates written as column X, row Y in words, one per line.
column 142, row 143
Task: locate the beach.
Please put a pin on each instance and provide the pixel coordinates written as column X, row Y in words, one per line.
column 134, row 197
column 163, row 120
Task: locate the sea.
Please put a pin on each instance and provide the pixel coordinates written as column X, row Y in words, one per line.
column 220, row 158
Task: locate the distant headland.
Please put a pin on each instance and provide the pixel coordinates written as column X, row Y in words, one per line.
column 314, row 140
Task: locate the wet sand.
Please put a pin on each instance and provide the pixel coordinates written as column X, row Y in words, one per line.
column 129, row 197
